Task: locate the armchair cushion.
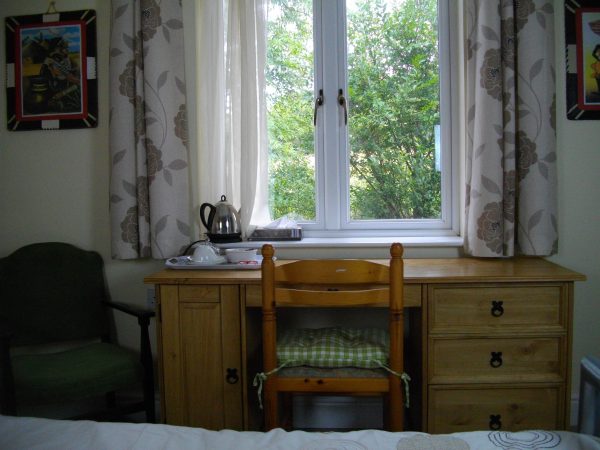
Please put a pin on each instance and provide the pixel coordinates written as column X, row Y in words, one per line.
column 77, row 373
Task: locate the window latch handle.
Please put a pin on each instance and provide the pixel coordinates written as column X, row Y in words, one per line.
column 318, row 102
column 342, row 102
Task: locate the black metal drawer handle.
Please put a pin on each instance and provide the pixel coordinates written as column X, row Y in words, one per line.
column 232, row 376
column 496, row 359
column 495, row 422
column 497, row 308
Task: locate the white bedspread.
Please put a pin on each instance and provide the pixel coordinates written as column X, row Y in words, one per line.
column 32, row 433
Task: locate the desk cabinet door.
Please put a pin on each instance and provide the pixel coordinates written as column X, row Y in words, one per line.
column 201, row 364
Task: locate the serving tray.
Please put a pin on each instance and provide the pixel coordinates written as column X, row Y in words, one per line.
column 185, row 262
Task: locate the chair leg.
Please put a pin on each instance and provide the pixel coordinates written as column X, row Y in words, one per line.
column 271, row 408
column 396, row 407
column 385, row 400
column 111, row 399
column 8, row 402
column 148, row 365
column 288, row 411
column 149, row 404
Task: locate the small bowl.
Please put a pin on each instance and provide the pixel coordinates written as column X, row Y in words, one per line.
column 237, row 255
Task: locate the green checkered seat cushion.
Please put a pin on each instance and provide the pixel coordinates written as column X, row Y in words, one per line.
column 333, row 347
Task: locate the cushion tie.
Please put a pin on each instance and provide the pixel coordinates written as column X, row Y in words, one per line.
column 261, row 377
column 405, row 380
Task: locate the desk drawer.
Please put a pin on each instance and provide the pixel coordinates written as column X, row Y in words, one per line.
column 508, row 409
column 496, row 360
column 412, row 295
column 459, row 309
column 199, row 293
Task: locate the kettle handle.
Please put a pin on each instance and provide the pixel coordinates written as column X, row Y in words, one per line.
column 211, row 215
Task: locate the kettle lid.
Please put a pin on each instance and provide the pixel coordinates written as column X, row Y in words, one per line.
column 224, row 200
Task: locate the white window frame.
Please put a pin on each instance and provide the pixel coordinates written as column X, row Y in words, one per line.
column 331, row 170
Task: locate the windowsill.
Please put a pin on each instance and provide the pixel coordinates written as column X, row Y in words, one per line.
column 356, row 242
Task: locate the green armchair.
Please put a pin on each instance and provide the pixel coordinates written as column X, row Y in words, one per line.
column 53, row 294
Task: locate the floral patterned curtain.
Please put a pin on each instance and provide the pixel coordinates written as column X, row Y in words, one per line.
column 149, row 188
column 511, row 137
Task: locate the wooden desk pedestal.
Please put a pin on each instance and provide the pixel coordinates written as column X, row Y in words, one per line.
column 492, row 341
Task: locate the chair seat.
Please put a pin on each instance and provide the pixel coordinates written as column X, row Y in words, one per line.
column 78, row 373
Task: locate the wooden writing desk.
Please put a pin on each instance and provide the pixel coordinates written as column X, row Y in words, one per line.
column 489, row 344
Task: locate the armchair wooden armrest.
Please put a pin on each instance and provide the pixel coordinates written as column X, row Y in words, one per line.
column 140, row 313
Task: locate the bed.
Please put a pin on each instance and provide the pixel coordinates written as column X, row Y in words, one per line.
column 34, row 433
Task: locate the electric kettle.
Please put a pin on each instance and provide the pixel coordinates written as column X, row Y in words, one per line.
column 223, row 221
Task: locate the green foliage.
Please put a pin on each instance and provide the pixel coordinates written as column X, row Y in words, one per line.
column 394, row 105
column 289, row 96
column 291, row 162
column 394, row 95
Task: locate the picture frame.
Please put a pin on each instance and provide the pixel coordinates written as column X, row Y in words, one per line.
column 51, row 71
column 582, row 39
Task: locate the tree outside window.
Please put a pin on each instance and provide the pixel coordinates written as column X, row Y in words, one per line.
column 393, row 96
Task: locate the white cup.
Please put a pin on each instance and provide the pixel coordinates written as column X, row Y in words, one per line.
column 205, row 254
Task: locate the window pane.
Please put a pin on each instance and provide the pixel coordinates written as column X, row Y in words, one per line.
column 289, row 79
column 393, row 86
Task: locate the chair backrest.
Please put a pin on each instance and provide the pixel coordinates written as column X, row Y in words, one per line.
column 53, row 292
column 332, row 283
column 589, row 396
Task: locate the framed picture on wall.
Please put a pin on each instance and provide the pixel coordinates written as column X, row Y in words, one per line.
column 582, row 36
column 51, row 71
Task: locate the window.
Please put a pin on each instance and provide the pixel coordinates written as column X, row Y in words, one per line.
column 358, row 101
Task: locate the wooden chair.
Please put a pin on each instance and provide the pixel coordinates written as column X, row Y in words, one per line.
column 52, row 294
column 589, row 396
column 333, row 283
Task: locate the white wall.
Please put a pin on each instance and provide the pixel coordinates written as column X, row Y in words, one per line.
column 579, row 210
column 54, row 186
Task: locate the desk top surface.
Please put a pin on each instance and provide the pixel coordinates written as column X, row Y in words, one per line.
column 448, row 270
